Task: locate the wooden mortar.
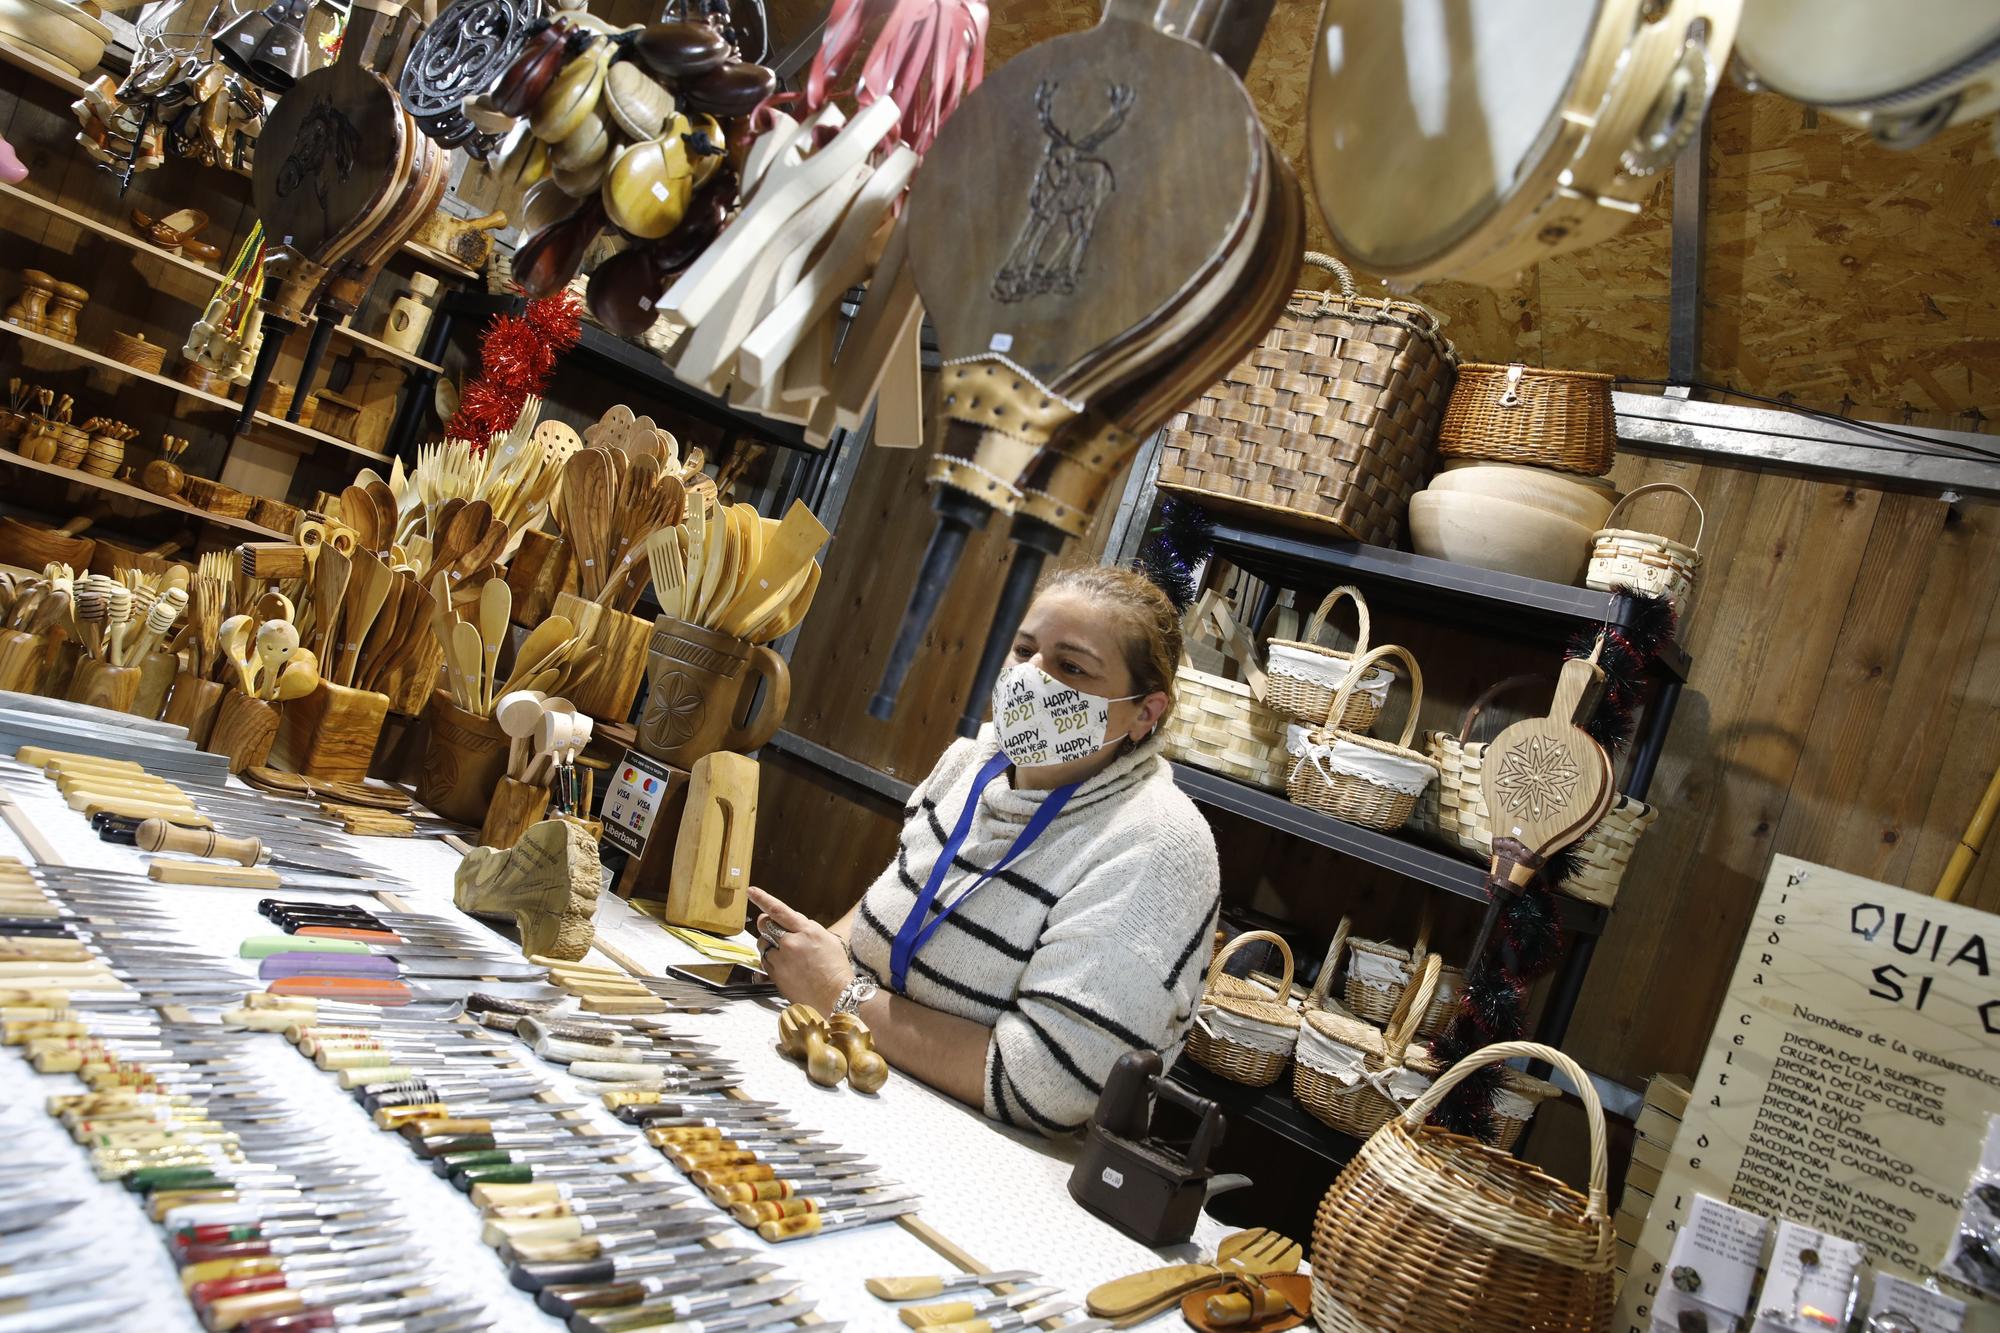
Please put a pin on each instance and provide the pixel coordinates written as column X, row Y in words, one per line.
column 465, row 756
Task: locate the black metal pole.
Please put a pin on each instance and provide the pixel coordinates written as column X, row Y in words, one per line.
column 1646, row 755
column 958, row 516
column 322, row 334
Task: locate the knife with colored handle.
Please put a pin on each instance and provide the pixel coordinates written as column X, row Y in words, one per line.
column 779, row 1191
column 436, row 1146
column 375, row 990
column 958, row 1312
column 205, row 1295
column 739, row 1321
column 411, row 1314
column 219, row 1270
column 291, row 966
column 394, row 1117
column 452, row 1164
column 738, row 1175
column 523, row 1173
column 924, row 1288
column 564, row 1193
column 566, row 1301
column 500, row 1232
column 715, row 1111
column 620, row 1266
column 754, row 1215
column 726, row 1154
column 232, row 1311
column 357, row 1234
column 694, row 1137
column 663, row 1298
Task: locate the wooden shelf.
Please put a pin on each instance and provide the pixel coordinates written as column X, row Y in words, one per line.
column 132, row 241
column 277, row 430
column 113, row 486
column 1271, row 1108
column 39, row 65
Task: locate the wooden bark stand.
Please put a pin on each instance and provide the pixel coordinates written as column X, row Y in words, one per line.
column 244, row 730
column 194, row 704
column 548, row 881
column 331, row 733
column 617, row 645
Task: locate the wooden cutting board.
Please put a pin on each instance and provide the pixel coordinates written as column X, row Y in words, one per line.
column 711, row 871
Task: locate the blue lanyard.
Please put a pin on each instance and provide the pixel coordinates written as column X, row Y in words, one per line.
column 916, row 931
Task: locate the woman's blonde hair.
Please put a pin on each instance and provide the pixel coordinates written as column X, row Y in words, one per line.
column 1149, row 628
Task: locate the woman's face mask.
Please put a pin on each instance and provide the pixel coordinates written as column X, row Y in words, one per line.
column 1042, row 721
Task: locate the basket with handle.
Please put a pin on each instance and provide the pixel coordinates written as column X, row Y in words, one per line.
column 1379, row 973
column 1646, row 561
column 1355, row 1076
column 1220, row 724
column 1419, row 1211
column 1244, row 1040
column 1358, row 778
column 1528, row 414
column 1455, row 812
column 1305, row 674
column 1329, row 425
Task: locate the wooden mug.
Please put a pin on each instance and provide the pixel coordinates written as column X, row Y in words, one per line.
column 194, row 704
column 465, row 756
column 702, row 685
column 244, row 730
column 331, row 732
column 102, row 685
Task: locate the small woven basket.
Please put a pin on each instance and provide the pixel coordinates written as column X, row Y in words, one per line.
column 1426, row 1231
column 1454, row 812
column 1247, row 1041
column 1328, row 425
column 1354, row 1076
column 1378, row 976
column 1220, row 724
column 136, row 352
column 1645, row 561
column 1525, row 414
column 1357, row 778
column 1305, row 674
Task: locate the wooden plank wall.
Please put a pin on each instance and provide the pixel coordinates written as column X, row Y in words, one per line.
column 1845, row 704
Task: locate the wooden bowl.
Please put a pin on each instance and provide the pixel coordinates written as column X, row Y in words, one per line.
column 1492, row 533
column 133, row 349
column 1561, row 493
column 56, row 28
column 31, row 546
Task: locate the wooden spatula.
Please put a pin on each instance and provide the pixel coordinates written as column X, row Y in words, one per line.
column 357, row 510
column 787, row 617
column 1133, row 1299
column 779, row 569
column 330, row 575
column 1546, row 782
column 496, row 609
column 545, row 638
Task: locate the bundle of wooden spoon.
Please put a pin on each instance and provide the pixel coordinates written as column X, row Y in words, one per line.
column 546, row 660
column 545, row 732
column 737, row 572
column 610, row 506
column 367, row 620
column 119, row 621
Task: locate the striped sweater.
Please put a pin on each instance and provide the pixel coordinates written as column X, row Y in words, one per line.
column 1091, row 943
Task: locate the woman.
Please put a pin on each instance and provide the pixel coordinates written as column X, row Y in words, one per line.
column 1053, row 893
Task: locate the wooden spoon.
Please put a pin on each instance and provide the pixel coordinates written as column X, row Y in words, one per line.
column 462, row 655
column 330, row 577
column 357, row 510
column 367, row 588
column 518, row 712
column 496, row 609
column 233, row 642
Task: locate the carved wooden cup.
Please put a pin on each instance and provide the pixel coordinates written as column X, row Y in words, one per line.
column 105, row 686
column 194, row 704
column 703, row 682
column 465, row 756
column 244, row 730
column 331, row 732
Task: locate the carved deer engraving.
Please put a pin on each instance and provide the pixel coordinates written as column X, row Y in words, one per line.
column 1069, row 191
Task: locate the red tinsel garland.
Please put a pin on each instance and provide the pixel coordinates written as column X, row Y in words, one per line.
column 517, row 354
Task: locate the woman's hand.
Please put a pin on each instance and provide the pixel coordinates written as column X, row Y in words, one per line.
column 809, row 963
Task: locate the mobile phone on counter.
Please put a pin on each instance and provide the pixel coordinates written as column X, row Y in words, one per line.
column 726, row 978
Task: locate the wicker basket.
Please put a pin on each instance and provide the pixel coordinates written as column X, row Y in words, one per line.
column 1329, row 425
column 1223, row 725
column 1305, row 675
column 1645, row 561
column 1427, row 1231
column 1355, row 1076
column 1454, row 811
column 1524, row 414
column 1378, row 976
column 1245, row 1040
column 1357, row 778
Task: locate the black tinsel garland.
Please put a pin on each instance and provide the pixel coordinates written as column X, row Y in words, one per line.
column 1180, row 541
column 1529, row 941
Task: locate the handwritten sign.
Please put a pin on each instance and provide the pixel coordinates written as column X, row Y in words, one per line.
column 1847, row 1082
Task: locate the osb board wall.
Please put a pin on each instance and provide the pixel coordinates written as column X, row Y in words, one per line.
column 1842, row 274
column 1845, row 704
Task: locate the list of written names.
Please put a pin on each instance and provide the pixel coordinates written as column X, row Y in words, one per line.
column 1808, row 1155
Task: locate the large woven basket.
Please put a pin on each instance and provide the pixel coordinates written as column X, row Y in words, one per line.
column 1525, row 414
column 1220, row 724
column 1455, row 812
column 1427, row 1231
column 1379, row 973
column 1355, row 1076
column 1305, row 674
column 1645, row 561
column 1328, row 425
column 1360, row 779
column 1247, row 1041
